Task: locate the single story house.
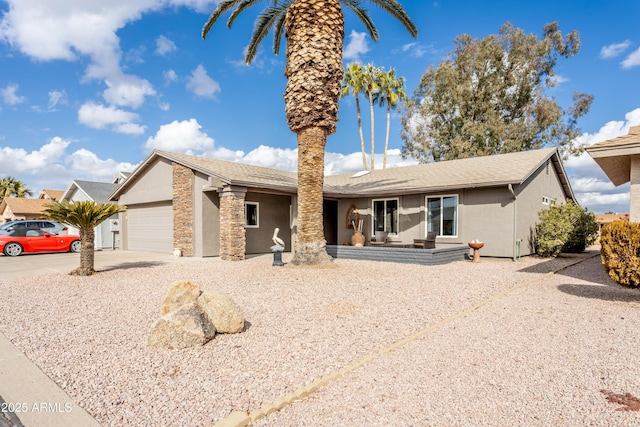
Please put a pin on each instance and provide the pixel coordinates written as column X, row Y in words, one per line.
column 107, row 233
column 619, row 158
column 12, row 208
column 52, row 195
column 208, row 207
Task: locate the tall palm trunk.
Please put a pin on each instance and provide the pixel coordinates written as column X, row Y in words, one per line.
column 364, row 155
column 386, row 141
column 87, row 253
column 373, row 132
column 315, row 36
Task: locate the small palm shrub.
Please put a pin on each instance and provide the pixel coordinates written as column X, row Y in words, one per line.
column 620, row 252
column 564, row 228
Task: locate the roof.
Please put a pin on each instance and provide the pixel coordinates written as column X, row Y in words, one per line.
column 487, row 171
column 607, row 218
column 21, row 205
column 504, row 169
column 229, row 173
column 614, row 155
column 51, row 194
column 96, row 191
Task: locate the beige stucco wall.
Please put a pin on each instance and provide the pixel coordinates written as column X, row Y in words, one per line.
column 543, row 183
column 634, row 204
column 206, row 220
column 273, row 212
column 154, row 184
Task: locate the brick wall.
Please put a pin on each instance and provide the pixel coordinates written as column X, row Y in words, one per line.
column 232, row 233
column 183, row 178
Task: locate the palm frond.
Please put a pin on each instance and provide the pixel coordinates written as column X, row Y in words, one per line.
column 222, row 8
column 397, row 11
column 363, row 16
column 265, row 22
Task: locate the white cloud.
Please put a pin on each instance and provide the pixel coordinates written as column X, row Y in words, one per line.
column 48, row 30
column 170, row 76
column 558, row 79
column 356, row 46
column 632, row 60
column 590, row 184
column 98, row 116
column 164, row 45
column 201, row 84
column 184, row 136
column 415, row 49
column 10, row 97
column 615, row 49
column 127, row 91
column 52, row 166
column 57, row 97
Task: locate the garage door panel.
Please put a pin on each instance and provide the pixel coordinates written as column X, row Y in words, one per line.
column 150, row 227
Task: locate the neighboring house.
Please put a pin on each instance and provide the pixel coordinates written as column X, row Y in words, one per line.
column 619, row 158
column 107, row 233
column 604, row 219
column 12, row 208
column 208, row 207
column 53, row 195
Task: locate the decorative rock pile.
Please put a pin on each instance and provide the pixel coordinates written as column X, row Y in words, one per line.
column 191, row 317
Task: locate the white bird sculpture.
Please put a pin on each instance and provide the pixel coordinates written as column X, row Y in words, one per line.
column 278, row 241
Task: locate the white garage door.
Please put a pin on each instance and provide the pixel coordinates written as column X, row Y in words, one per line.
column 150, row 227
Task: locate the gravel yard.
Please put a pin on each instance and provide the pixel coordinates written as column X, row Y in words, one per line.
column 537, row 355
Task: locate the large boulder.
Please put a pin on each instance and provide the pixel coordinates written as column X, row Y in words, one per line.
column 180, row 293
column 181, row 328
column 225, row 315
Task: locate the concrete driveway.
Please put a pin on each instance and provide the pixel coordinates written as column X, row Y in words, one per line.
column 37, row 264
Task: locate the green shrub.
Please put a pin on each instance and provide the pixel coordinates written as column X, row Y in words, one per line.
column 620, row 252
column 564, row 228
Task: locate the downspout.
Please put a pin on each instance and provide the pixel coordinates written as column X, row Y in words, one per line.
column 515, row 222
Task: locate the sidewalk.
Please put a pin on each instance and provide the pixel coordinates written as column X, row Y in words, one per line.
column 31, row 397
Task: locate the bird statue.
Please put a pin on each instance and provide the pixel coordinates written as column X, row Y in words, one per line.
column 278, row 241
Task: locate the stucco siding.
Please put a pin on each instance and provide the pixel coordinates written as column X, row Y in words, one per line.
column 486, row 214
column 154, row 184
column 344, row 230
column 273, row 212
column 543, row 185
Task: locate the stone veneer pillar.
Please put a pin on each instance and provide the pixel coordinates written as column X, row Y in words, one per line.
column 232, row 232
column 183, row 178
column 634, row 203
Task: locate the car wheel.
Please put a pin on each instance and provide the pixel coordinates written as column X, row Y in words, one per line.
column 13, row 249
column 75, row 246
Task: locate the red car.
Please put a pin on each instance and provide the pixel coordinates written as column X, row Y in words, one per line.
column 29, row 240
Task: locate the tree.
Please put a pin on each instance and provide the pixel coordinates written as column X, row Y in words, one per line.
column 391, row 90
column 315, row 37
column 12, row 187
column 488, row 98
column 371, row 77
column 353, row 82
column 564, row 228
column 85, row 216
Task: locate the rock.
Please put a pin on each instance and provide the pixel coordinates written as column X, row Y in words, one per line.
column 181, row 328
column 179, row 294
column 225, row 315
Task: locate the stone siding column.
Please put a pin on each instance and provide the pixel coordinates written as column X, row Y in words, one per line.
column 183, row 178
column 634, row 203
column 232, row 232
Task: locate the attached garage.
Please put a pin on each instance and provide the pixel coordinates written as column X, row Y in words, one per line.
column 150, row 227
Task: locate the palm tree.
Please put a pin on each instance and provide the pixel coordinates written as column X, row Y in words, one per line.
column 371, row 77
column 353, row 82
column 391, row 91
column 314, row 30
column 13, row 187
column 85, row 216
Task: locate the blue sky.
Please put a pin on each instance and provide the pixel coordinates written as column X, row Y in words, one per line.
column 90, row 87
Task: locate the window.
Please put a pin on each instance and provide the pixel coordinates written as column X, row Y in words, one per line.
column 545, row 200
column 442, row 215
column 251, row 215
column 385, row 216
